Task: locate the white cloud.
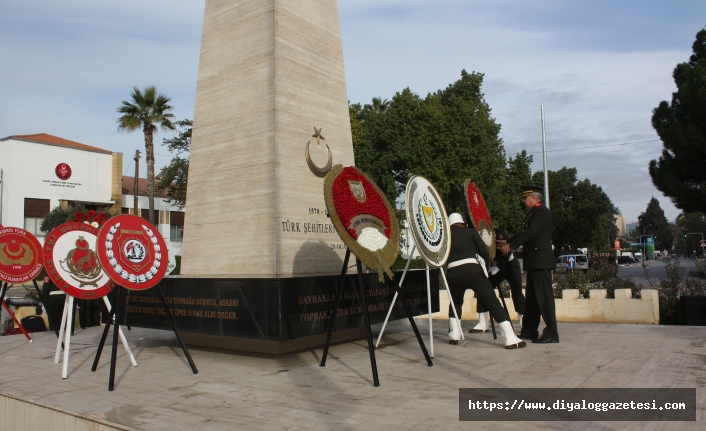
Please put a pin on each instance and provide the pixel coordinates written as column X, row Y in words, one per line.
column 599, row 67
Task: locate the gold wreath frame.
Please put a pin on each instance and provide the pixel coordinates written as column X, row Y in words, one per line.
column 379, row 260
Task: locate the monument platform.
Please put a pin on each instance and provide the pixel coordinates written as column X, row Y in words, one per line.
column 275, row 315
column 290, row 391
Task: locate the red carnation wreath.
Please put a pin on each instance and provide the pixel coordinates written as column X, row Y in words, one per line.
column 363, row 218
column 474, row 204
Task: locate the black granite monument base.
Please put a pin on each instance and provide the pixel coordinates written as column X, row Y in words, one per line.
column 274, row 316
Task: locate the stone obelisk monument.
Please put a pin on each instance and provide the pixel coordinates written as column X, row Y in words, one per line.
column 271, row 85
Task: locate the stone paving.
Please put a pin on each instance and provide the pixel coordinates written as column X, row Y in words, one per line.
column 262, row 392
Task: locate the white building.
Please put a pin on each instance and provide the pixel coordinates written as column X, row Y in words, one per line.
column 40, row 172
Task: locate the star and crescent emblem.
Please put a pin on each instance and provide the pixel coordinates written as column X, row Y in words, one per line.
column 319, row 172
column 14, row 253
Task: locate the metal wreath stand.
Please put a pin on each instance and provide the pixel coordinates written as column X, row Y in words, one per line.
column 417, row 188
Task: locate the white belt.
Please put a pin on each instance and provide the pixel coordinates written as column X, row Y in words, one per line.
column 461, row 262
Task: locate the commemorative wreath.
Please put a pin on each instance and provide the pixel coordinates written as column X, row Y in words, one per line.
column 363, row 218
column 477, row 212
column 427, row 220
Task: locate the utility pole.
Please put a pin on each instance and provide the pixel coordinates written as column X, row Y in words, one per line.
column 544, row 158
column 137, row 174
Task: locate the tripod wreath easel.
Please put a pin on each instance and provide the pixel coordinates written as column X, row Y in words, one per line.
column 429, row 224
column 135, row 258
column 73, row 266
column 366, row 222
column 67, row 320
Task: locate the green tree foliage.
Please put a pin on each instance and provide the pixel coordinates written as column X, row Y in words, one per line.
column 691, row 222
column 58, row 216
column 584, row 215
column 681, row 125
column 448, row 137
column 174, row 177
column 653, row 222
column 145, row 111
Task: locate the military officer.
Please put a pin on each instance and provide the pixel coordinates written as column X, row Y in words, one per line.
column 538, row 259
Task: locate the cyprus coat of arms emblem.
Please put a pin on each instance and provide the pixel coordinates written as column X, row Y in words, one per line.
column 358, row 190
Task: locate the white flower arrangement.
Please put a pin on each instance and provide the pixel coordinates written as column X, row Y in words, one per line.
column 372, row 239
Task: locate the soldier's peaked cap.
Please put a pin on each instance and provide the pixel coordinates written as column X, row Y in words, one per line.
column 531, row 189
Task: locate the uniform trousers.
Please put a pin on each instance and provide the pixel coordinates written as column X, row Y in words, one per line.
column 513, row 274
column 464, row 277
column 540, row 303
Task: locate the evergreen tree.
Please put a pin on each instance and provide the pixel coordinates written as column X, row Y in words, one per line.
column 653, row 222
column 681, row 125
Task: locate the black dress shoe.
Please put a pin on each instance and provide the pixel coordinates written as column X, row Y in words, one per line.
column 545, row 340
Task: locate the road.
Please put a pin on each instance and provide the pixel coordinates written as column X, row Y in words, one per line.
column 656, row 270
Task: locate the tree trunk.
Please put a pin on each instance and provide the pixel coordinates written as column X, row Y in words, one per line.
column 149, row 157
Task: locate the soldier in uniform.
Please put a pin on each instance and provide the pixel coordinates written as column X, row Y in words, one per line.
column 538, row 259
column 508, row 268
column 467, row 262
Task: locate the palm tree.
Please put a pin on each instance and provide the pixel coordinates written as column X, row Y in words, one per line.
column 147, row 109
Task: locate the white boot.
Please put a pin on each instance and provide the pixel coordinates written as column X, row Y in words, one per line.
column 454, row 330
column 511, row 340
column 483, row 323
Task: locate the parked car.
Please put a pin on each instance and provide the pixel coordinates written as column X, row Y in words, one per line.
column 580, row 262
column 624, row 260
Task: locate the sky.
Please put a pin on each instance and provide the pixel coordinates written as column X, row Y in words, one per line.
column 598, row 67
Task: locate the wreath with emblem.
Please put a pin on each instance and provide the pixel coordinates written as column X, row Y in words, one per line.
column 363, row 218
column 477, row 212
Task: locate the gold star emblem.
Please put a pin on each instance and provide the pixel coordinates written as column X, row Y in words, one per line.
column 318, row 136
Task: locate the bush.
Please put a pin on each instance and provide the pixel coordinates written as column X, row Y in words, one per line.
column 674, row 287
column 574, row 280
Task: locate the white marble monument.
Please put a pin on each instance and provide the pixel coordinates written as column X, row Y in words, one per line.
column 270, row 76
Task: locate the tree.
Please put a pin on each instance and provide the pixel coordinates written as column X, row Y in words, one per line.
column 147, row 110
column 519, row 173
column 653, row 222
column 691, row 222
column 175, row 176
column 681, row 125
column 584, row 215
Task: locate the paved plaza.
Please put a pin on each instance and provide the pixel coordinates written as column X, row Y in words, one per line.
column 261, row 392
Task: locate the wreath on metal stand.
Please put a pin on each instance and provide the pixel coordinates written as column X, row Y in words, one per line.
column 363, row 218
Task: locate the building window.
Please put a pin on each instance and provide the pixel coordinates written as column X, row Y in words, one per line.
column 176, row 225
column 35, row 211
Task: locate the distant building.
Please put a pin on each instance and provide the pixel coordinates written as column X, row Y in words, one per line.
column 41, row 171
column 622, row 227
